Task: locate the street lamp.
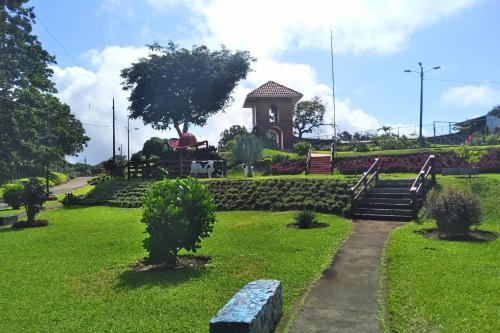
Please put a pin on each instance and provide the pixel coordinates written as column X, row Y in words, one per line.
column 128, row 138
column 421, row 72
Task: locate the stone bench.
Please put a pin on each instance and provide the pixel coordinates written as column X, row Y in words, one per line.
column 8, row 219
column 256, row 308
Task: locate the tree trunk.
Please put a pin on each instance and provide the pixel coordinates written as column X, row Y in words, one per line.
column 178, row 129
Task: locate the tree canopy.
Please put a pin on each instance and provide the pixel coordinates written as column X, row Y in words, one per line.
column 176, row 87
column 307, row 116
column 233, row 133
column 35, row 127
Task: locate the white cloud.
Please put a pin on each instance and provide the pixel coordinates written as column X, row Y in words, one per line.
column 470, row 95
column 268, row 28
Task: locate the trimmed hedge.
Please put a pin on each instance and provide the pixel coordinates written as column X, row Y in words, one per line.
column 322, row 195
column 490, row 162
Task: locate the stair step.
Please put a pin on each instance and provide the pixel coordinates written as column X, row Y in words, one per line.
column 384, row 211
column 380, row 195
column 382, row 217
column 389, row 190
column 384, row 205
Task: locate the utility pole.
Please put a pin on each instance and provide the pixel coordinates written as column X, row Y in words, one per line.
column 333, row 98
column 128, row 139
column 114, row 151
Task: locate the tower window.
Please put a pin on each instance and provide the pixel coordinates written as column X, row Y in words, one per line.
column 273, row 114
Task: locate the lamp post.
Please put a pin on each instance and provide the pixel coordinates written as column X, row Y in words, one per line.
column 421, row 72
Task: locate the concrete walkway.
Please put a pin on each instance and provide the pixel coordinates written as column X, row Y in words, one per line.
column 345, row 299
column 70, row 185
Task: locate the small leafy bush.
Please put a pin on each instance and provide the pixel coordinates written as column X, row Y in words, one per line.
column 12, row 194
column 178, row 215
column 306, row 219
column 455, row 212
column 33, row 197
column 301, row 147
column 70, row 200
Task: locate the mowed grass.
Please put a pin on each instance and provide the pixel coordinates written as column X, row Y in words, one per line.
column 447, row 286
column 75, row 275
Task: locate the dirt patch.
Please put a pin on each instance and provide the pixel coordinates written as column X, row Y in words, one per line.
column 472, row 236
column 183, row 261
column 36, row 224
column 312, row 226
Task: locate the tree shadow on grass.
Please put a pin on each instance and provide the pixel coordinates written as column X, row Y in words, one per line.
column 133, row 278
column 8, row 228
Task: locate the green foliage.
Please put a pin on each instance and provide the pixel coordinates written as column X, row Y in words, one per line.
column 455, row 212
column 469, row 156
column 248, row 149
column 360, row 147
column 306, row 219
column 307, row 116
column 155, row 147
column 178, row 215
column 177, row 87
column 70, row 200
column 117, row 167
column 479, row 139
column 495, row 111
column 301, row 147
column 231, row 135
column 12, row 194
column 33, row 197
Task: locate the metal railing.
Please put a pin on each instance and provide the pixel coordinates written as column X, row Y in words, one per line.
column 361, row 186
column 421, row 184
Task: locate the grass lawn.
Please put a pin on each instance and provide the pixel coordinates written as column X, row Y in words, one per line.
column 79, row 191
column 447, row 286
column 10, row 211
column 74, row 275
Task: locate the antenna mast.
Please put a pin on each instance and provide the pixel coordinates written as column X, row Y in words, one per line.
column 333, row 87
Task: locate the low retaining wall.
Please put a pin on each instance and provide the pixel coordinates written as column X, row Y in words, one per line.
column 413, row 162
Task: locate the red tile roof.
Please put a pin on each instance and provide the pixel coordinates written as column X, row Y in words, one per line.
column 273, row 89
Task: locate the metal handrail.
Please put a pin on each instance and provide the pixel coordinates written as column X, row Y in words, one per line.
column 365, row 181
column 418, row 186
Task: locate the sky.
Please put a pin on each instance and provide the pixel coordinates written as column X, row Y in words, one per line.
column 374, row 41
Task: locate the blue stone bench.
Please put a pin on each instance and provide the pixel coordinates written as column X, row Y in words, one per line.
column 8, row 219
column 256, row 308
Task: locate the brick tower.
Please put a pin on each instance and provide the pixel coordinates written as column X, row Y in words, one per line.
column 272, row 105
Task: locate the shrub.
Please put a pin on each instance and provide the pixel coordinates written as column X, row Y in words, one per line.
column 33, row 197
column 301, row 147
column 70, row 199
column 12, row 195
column 178, row 215
column 248, row 150
column 455, row 212
column 288, row 167
column 306, row 219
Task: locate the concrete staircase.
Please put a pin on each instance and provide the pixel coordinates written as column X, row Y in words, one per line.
column 388, row 200
column 319, row 165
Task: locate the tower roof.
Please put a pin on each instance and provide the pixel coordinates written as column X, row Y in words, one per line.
column 272, row 89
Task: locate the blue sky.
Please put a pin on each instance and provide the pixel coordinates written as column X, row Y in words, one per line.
column 374, row 42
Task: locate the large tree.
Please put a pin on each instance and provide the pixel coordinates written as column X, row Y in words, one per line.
column 307, row 116
column 35, row 127
column 233, row 133
column 176, row 87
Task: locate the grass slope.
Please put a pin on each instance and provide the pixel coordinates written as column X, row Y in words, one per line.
column 75, row 274
column 447, row 286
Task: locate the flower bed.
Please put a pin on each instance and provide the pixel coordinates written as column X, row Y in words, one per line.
column 490, row 162
column 287, row 167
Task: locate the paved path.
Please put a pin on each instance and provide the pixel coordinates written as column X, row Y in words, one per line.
column 70, row 185
column 345, row 299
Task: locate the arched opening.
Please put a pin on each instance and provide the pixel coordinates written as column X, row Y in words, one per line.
column 276, row 135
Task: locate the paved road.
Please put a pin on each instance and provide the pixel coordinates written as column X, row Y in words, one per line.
column 345, row 299
column 70, row 185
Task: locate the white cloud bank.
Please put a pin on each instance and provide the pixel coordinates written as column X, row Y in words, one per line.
column 471, row 95
column 267, row 29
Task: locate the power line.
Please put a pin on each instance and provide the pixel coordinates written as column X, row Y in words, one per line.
column 59, row 43
column 464, row 81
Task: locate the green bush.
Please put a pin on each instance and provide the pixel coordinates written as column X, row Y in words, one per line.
column 178, row 215
column 70, row 199
column 33, row 197
column 12, row 195
column 301, row 147
column 455, row 212
column 306, row 219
